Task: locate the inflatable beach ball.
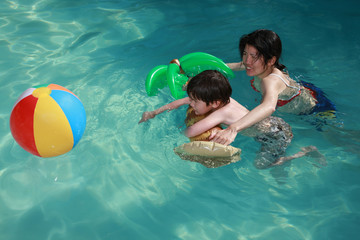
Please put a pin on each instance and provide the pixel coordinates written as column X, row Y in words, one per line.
column 47, row 120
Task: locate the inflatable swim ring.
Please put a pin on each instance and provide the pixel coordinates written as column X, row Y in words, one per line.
column 177, row 73
column 201, row 150
column 209, row 154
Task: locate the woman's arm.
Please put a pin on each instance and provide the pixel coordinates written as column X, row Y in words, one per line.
column 239, row 66
column 265, row 109
column 228, row 135
column 168, row 107
column 211, row 121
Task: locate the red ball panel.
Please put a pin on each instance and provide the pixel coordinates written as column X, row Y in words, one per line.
column 22, row 124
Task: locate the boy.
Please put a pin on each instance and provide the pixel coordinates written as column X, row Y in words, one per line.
column 209, row 94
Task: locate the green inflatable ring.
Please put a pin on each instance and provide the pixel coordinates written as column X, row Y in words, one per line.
column 172, row 76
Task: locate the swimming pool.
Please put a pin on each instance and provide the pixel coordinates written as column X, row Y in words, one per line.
column 123, row 181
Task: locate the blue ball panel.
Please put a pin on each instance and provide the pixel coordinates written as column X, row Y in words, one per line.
column 73, row 110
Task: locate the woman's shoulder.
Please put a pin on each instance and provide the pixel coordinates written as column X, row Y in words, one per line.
column 278, row 80
column 277, row 74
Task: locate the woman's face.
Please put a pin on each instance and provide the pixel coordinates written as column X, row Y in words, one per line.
column 254, row 63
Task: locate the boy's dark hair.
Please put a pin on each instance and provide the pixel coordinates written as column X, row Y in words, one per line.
column 210, row 86
column 267, row 43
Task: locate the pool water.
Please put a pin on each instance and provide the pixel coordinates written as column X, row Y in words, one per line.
column 123, row 180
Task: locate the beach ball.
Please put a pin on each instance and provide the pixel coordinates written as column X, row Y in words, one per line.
column 47, row 120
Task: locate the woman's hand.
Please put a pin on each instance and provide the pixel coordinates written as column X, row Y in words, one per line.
column 239, row 66
column 224, row 137
column 147, row 115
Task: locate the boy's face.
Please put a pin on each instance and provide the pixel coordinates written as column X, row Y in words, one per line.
column 200, row 107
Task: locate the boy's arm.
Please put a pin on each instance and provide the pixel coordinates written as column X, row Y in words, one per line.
column 168, row 107
column 239, row 66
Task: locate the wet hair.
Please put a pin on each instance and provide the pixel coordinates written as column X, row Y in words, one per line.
column 267, row 43
column 209, row 86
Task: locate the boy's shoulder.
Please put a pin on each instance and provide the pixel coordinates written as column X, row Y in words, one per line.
column 234, row 105
column 233, row 111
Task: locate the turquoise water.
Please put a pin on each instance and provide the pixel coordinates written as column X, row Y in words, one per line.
column 123, row 181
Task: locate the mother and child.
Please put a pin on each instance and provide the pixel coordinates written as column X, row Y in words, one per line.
column 209, row 94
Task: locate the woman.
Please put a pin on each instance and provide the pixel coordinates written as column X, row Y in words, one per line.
column 260, row 52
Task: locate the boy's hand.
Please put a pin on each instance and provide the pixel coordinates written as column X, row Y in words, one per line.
column 146, row 116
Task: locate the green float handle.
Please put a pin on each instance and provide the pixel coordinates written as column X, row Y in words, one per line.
column 156, row 79
column 176, row 81
column 195, row 63
column 192, row 64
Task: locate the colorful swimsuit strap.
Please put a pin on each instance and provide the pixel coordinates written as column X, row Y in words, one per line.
column 281, row 102
column 277, row 75
column 252, row 85
column 282, row 79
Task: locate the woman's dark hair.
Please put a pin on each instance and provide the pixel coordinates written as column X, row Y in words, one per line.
column 267, row 43
column 210, row 86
